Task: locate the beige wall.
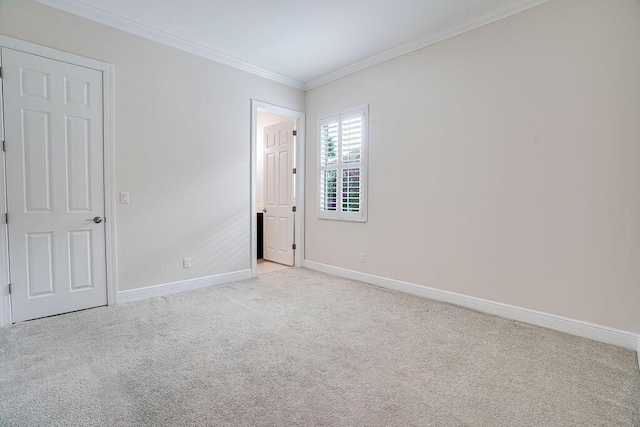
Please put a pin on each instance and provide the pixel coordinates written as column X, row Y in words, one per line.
column 264, row 119
column 182, row 145
column 504, row 164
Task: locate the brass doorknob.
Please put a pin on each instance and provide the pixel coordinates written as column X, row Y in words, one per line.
column 96, row 219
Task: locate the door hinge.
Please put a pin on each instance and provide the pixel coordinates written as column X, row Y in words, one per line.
column 1, row 72
column 9, row 288
column 4, row 146
column 6, row 218
column 293, row 209
column 293, row 246
column 295, row 133
column 295, row 171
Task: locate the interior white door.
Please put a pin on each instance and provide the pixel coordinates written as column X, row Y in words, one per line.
column 55, row 185
column 278, row 189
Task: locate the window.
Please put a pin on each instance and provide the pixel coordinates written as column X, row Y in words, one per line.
column 342, row 173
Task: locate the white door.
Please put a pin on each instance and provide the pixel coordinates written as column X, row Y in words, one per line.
column 278, row 189
column 54, row 143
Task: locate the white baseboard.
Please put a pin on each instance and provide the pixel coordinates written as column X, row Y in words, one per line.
column 592, row 331
column 182, row 286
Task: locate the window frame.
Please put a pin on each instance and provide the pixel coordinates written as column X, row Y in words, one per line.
column 339, row 214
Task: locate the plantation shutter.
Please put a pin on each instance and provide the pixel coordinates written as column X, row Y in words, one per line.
column 329, row 134
column 341, row 165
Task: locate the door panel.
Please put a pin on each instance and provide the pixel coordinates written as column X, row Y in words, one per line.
column 278, row 219
column 78, row 145
column 34, row 83
column 80, row 259
column 40, row 264
column 284, row 196
column 54, row 134
column 37, row 160
column 270, row 180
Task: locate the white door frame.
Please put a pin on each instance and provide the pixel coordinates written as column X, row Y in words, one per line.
column 299, row 160
column 107, row 71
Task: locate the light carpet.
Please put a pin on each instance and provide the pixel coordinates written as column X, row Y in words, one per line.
column 300, row 348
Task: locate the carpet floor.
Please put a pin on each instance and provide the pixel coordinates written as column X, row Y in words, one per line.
column 300, row 348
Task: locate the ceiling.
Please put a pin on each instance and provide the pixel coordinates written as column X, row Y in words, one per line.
column 303, row 43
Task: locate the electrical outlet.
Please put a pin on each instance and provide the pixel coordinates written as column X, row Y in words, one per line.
column 361, row 256
column 186, row 262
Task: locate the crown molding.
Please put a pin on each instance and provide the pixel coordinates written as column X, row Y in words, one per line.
column 512, row 9
column 111, row 20
column 123, row 24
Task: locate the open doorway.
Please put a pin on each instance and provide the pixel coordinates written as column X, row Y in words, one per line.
column 275, row 191
column 277, row 183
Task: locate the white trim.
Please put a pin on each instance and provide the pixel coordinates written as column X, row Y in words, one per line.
column 110, row 183
column 109, row 164
column 638, row 351
column 181, row 286
column 513, row 8
column 300, row 143
column 617, row 337
column 123, row 24
column 5, row 298
column 58, row 55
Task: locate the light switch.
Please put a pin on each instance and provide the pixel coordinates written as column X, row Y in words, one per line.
column 124, row 197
